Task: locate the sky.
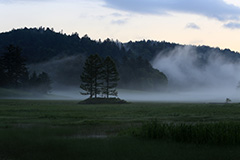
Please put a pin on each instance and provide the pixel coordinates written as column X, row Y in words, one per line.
column 197, row 22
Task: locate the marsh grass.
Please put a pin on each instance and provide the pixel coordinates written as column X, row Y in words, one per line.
column 198, row 133
column 57, row 143
column 35, row 129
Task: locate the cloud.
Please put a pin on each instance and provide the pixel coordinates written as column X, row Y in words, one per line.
column 19, row 1
column 119, row 22
column 192, row 26
column 116, row 15
column 217, row 9
column 232, row 25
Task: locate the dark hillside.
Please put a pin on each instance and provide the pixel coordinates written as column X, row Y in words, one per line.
column 63, row 56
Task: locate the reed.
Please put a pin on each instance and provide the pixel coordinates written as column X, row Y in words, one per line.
column 199, row 133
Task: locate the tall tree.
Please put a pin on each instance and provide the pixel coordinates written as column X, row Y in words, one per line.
column 14, row 67
column 110, row 77
column 91, row 76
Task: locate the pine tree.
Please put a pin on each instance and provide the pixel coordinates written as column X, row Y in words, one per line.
column 110, row 77
column 14, row 68
column 91, row 76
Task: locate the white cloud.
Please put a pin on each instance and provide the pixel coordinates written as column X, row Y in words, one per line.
column 217, row 9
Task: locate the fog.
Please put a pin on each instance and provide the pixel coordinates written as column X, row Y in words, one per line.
column 193, row 77
column 64, row 70
column 200, row 77
column 199, row 96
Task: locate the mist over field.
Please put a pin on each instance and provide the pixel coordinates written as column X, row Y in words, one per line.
column 148, row 70
column 199, row 77
column 62, row 70
column 193, row 77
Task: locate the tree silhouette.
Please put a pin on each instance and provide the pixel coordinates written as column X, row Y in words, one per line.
column 99, row 77
column 110, row 77
column 13, row 68
column 40, row 83
column 91, row 76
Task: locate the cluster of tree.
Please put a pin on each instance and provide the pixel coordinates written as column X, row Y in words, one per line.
column 40, row 82
column 14, row 73
column 47, row 44
column 44, row 44
column 149, row 49
column 99, row 77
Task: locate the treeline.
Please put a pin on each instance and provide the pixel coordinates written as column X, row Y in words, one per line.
column 14, row 73
column 44, row 45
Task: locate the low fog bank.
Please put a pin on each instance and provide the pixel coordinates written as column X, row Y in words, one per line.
column 68, row 92
column 200, row 96
column 193, row 76
column 64, row 70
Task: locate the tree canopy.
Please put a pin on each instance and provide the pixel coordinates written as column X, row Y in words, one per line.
column 91, row 76
column 13, row 68
column 110, row 77
column 99, row 77
column 44, row 45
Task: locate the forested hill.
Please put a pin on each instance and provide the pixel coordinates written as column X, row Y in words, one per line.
column 63, row 56
column 42, row 44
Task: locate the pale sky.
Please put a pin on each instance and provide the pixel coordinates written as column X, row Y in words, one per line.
column 198, row 22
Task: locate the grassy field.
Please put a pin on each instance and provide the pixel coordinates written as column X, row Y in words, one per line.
column 35, row 129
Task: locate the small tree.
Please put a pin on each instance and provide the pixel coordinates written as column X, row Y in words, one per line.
column 91, row 76
column 40, row 83
column 33, row 80
column 110, row 77
column 44, row 83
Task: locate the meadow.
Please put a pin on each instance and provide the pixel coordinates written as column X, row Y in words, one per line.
column 48, row 129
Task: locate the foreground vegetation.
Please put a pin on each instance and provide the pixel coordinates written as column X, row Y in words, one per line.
column 198, row 133
column 34, row 129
